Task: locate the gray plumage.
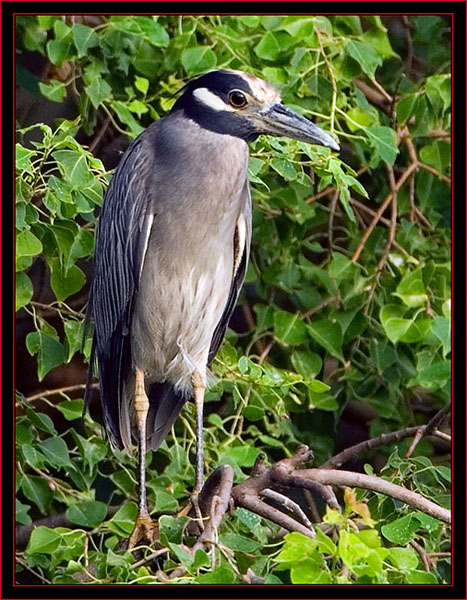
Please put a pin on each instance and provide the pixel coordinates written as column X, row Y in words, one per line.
column 164, row 286
column 172, row 249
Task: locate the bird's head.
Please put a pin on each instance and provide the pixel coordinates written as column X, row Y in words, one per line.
column 236, row 103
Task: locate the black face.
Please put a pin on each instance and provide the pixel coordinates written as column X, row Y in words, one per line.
column 228, row 87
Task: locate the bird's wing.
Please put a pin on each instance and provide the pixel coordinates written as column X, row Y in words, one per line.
column 242, row 240
column 123, row 232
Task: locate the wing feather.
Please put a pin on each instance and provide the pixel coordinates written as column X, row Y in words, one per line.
column 123, row 231
column 242, row 240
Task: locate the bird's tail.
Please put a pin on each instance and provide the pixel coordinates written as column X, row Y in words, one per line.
column 165, row 404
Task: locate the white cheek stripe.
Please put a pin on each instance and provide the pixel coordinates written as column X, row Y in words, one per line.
column 211, row 100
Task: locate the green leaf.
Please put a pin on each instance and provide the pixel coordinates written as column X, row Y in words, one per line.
column 98, row 91
column 87, row 514
column 123, row 521
column 223, row 575
column 54, row 90
column 378, row 39
column 400, row 329
column 27, row 244
column 50, row 352
column 165, row 502
column 382, row 354
column 74, row 337
column 21, row 513
column 23, row 290
column 239, row 543
column 421, row 578
column 37, row 490
column 198, row 59
column 361, row 117
column 43, row 540
column 401, row 531
column 405, row 559
column 250, row 21
column 65, row 283
column 56, row 451
column 171, row 529
column 34, row 458
column 289, row 328
column 183, row 555
column 411, row 289
column 60, row 50
column 328, row 335
column 268, row 48
column 23, row 159
column 253, row 413
column 383, row 139
column 296, row 548
column 441, row 328
column 248, row 518
column 142, row 84
column 365, row 55
column 243, row 456
column 307, row 364
column 324, row 542
column 437, row 154
column 73, row 166
column 84, row 38
column 406, row 107
column 154, row 31
column 125, row 116
column 201, row 559
column 285, row 168
column 435, row 375
column 42, row 421
column 309, row 572
column 138, row 107
column 91, row 452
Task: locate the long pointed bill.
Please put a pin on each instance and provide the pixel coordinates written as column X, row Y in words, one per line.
column 280, row 120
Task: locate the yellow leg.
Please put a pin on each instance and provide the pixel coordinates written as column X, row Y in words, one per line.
column 199, row 387
column 145, row 529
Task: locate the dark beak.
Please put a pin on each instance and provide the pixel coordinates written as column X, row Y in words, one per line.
column 282, row 121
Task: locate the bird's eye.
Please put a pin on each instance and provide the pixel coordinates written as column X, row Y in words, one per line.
column 237, row 99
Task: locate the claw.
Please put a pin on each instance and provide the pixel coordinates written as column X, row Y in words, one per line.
column 144, row 532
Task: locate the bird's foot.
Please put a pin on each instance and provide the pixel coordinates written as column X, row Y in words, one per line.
column 144, row 532
column 194, row 500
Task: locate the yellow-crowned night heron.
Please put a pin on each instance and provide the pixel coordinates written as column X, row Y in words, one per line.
column 171, row 253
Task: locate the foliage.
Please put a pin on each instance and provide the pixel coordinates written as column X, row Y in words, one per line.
column 339, row 318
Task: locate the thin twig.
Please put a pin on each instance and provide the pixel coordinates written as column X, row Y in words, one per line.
column 287, row 503
column 410, row 169
column 319, row 306
column 100, row 134
column 392, row 227
column 354, row 451
column 265, row 352
column 63, row 390
column 433, row 171
column 335, row 196
column 412, row 199
column 423, row 555
column 428, row 429
column 367, row 482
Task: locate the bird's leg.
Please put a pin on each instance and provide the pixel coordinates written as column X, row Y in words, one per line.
column 145, row 529
column 198, row 386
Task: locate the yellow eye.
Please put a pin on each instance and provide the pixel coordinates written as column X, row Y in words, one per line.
column 237, row 99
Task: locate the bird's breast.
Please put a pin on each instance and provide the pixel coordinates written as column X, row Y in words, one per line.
column 188, row 266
